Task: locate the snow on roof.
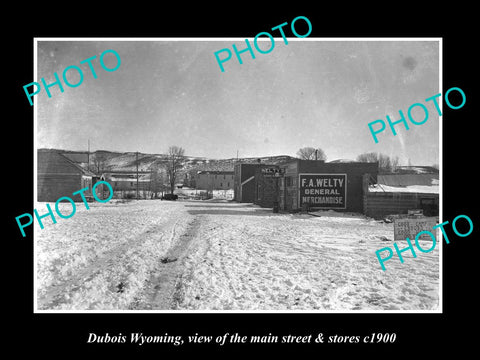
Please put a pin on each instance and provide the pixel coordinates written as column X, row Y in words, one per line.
column 128, row 179
column 343, row 161
column 215, row 172
column 217, row 167
column 410, row 183
column 84, row 171
column 77, row 157
column 422, row 189
column 403, row 180
column 417, row 170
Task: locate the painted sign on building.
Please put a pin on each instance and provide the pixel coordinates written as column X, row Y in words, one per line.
column 272, row 171
column 326, row 191
column 410, row 227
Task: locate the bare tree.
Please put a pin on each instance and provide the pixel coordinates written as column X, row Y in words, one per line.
column 99, row 162
column 386, row 164
column 395, row 161
column 310, row 153
column 174, row 163
column 368, row 157
column 156, row 181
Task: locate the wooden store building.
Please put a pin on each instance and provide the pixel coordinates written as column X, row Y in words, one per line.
column 304, row 184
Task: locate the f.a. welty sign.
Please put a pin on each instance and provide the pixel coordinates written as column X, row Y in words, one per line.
column 327, row 191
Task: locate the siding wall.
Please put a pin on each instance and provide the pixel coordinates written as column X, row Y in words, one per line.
column 129, row 185
column 244, row 193
column 51, row 187
column 237, row 189
column 219, row 181
column 380, row 204
column 288, row 187
column 57, row 177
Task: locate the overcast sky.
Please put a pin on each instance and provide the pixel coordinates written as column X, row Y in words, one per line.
column 307, row 93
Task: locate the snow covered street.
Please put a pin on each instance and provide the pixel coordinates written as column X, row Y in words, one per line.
column 103, row 257
column 194, row 255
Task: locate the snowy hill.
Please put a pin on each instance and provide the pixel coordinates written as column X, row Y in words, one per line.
column 126, row 161
column 146, row 162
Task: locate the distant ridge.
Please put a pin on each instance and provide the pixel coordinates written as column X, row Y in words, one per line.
column 126, row 161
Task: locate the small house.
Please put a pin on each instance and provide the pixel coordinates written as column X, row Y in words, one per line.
column 59, row 176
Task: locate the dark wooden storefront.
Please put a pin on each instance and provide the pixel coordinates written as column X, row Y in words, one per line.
column 266, row 185
column 351, row 172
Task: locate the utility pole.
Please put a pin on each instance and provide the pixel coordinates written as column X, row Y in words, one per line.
column 88, row 156
column 137, row 173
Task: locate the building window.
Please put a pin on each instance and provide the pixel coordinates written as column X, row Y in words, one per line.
column 228, row 184
column 223, row 176
column 131, row 183
column 220, row 184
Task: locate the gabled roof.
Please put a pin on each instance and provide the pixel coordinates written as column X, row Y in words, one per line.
column 84, row 171
column 80, row 157
column 59, row 155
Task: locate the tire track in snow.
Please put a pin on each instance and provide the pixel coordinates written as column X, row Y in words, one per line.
column 162, row 291
column 201, row 262
column 56, row 293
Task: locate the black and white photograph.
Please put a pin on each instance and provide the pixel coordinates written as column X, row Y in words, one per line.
column 237, row 175
column 217, row 179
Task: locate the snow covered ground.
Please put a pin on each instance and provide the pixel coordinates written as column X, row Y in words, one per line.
column 239, row 257
column 198, row 194
column 251, row 259
column 102, row 257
